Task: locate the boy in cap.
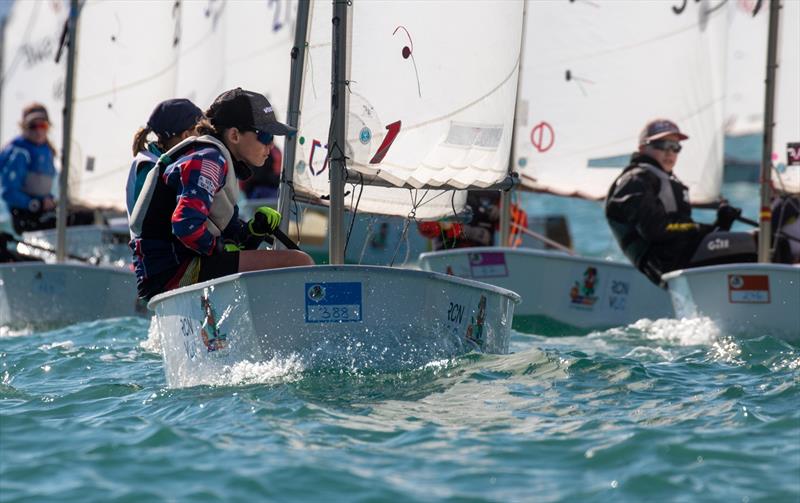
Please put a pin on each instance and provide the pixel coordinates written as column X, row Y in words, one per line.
column 185, row 222
column 648, row 208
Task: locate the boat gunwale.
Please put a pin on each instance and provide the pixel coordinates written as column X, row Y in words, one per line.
column 513, row 296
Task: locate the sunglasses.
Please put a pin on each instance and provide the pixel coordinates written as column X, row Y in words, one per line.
column 669, row 145
column 44, row 126
column 263, row 136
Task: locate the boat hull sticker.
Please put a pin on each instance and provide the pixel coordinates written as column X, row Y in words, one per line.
column 748, row 289
column 333, row 302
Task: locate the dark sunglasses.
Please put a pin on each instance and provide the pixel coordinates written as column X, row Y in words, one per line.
column 263, row 136
column 39, row 125
column 671, row 145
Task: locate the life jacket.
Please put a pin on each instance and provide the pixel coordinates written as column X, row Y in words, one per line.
column 40, row 172
column 146, row 159
column 151, row 217
column 672, row 194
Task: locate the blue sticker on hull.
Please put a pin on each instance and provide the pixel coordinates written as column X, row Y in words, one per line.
column 333, row 302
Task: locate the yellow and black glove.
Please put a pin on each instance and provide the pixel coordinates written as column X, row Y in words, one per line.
column 264, row 222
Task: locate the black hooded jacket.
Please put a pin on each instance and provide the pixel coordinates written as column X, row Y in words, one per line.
column 650, row 216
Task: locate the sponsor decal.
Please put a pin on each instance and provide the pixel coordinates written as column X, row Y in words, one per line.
column 267, row 110
column 793, row 154
column 189, row 337
column 333, row 302
column 206, row 184
column 212, row 338
column 618, row 295
column 582, row 293
column 718, row 244
column 365, row 135
column 475, row 328
column 488, row 265
column 748, row 289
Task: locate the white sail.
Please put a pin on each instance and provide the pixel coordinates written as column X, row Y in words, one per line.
column 423, row 109
column 595, row 72
column 30, row 73
column 125, row 65
column 236, row 44
column 747, row 59
column 786, row 135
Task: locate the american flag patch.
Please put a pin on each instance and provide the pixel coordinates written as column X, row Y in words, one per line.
column 211, row 171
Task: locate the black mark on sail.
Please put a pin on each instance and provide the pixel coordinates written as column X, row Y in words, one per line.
column 176, row 15
column 570, row 77
column 36, row 52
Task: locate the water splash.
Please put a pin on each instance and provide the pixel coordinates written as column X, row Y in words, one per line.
column 153, row 342
column 14, row 332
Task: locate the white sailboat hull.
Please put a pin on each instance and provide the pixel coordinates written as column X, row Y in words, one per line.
column 107, row 244
column 556, row 287
column 46, row 295
column 363, row 317
column 751, row 299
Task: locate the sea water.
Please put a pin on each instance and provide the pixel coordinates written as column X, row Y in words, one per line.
column 661, row 410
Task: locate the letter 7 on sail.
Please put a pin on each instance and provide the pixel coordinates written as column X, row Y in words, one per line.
column 429, row 107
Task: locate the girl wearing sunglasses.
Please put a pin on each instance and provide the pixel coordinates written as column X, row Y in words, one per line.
column 27, row 172
column 185, row 222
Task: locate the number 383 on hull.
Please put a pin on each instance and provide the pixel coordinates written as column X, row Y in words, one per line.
column 356, row 317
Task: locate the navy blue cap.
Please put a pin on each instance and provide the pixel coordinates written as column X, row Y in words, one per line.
column 173, row 116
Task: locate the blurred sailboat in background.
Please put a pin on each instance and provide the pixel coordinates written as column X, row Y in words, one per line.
column 591, row 79
column 763, row 298
column 109, row 87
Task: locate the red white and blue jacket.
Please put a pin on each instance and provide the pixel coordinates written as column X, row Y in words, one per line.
column 186, row 208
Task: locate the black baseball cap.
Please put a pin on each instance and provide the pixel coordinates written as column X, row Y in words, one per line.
column 245, row 110
column 173, row 117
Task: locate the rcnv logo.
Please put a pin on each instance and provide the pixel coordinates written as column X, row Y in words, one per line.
column 718, row 244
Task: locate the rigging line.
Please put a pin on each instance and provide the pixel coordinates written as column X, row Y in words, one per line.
column 366, row 240
column 411, row 216
column 458, row 110
column 628, row 140
column 628, row 47
column 354, row 211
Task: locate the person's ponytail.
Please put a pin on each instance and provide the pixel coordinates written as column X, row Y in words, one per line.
column 140, row 140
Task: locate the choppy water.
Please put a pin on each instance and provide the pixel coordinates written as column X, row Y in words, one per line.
column 663, row 410
column 658, row 411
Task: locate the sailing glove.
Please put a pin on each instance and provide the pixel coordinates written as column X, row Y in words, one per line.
column 232, row 247
column 726, row 215
column 264, row 222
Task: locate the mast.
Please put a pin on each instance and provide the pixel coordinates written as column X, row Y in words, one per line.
column 765, row 215
column 505, row 196
column 336, row 142
column 63, row 180
column 2, row 45
column 295, row 94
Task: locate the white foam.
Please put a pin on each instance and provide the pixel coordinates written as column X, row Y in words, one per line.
column 681, row 332
column 66, row 345
column 8, row 332
column 275, row 370
column 153, row 342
